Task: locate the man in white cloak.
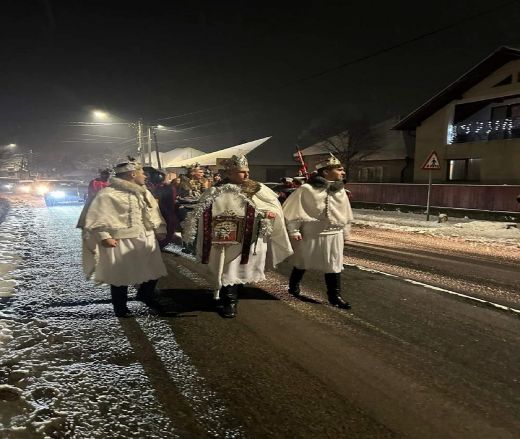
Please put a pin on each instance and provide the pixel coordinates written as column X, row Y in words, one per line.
column 318, row 217
column 239, row 228
column 120, row 230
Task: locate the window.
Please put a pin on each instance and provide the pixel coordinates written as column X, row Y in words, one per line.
column 464, row 170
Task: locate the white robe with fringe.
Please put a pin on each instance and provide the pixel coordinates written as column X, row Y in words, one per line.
column 129, row 213
column 224, row 267
column 322, row 218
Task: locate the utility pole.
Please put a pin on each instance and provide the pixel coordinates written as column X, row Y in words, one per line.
column 150, row 145
column 140, row 150
column 157, row 149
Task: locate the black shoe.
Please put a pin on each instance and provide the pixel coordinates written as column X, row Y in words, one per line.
column 294, row 282
column 229, row 310
column 339, row 302
column 333, row 281
column 295, row 292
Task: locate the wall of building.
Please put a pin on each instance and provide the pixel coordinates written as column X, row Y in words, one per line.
column 392, row 171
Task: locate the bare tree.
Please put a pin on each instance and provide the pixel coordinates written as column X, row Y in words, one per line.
column 350, row 139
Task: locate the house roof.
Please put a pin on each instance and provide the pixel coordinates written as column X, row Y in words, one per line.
column 497, row 59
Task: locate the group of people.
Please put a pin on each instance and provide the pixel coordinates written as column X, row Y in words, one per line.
column 236, row 227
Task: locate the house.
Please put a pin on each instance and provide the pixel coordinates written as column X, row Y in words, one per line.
column 473, row 125
column 388, row 160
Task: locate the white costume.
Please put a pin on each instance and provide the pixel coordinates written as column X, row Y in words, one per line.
column 320, row 212
column 129, row 213
column 237, row 262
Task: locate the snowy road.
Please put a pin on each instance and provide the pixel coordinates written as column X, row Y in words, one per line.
column 487, row 271
column 406, row 362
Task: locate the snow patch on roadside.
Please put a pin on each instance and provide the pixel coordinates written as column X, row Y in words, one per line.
column 471, row 230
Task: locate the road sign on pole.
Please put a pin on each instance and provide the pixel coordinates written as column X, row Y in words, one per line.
column 432, row 163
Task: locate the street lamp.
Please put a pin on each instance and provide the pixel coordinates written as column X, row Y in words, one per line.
column 12, row 145
column 100, row 115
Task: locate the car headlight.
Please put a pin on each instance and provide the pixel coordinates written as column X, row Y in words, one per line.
column 25, row 189
column 57, row 194
column 8, row 186
column 42, row 190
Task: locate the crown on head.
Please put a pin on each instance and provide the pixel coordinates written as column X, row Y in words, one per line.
column 236, row 163
column 130, row 165
column 193, row 166
column 330, row 161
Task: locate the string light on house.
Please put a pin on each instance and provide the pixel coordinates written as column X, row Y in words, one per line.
column 480, row 129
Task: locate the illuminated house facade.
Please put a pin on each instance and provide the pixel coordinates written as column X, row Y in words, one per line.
column 473, row 125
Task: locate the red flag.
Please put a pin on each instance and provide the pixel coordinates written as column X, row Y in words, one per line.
column 303, row 167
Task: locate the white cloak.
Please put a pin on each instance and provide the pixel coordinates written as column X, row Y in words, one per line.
column 129, row 213
column 322, row 217
column 271, row 248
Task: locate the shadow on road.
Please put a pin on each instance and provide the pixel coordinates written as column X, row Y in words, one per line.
column 201, row 300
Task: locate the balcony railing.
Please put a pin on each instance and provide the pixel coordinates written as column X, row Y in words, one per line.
column 483, row 131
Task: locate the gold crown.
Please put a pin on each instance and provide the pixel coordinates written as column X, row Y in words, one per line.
column 328, row 162
column 235, row 163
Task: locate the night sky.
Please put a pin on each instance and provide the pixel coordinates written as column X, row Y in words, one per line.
column 228, row 71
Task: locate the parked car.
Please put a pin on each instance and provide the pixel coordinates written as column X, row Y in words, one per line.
column 7, row 184
column 57, row 192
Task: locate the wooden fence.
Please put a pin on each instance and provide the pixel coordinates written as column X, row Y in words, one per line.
column 496, row 198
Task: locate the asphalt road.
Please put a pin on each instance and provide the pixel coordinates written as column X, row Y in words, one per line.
column 406, row 361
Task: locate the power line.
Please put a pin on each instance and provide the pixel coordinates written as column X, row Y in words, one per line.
column 359, row 59
column 188, row 114
column 99, row 135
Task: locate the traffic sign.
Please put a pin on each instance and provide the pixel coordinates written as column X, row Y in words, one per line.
column 432, row 162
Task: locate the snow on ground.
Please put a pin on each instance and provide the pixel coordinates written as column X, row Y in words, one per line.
column 471, row 230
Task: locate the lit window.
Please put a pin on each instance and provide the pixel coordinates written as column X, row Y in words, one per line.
column 464, row 170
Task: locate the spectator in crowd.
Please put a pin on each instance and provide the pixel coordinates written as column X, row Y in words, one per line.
column 98, row 183
column 216, row 178
column 284, row 189
column 166, row 195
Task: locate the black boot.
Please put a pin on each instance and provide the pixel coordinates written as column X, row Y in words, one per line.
column 146, row 291
column 294, row 281
column 229, row 300
column 333, row 282
column 119, row 297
